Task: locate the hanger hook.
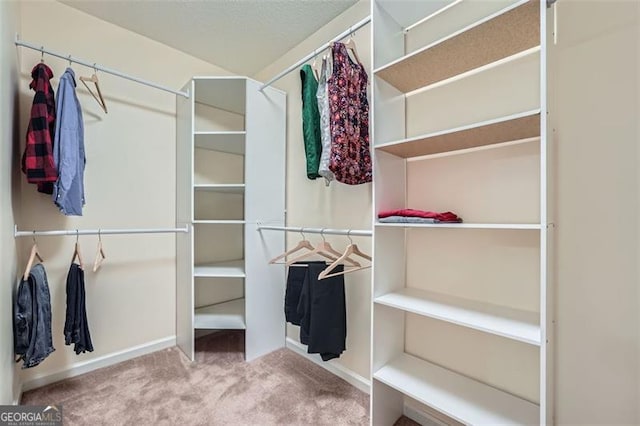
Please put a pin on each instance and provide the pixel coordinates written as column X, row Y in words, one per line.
column 77, row 235
column 99, row 235
column 34, row 236
column 349, row 235
column 41, row 53
column 304, row 237
column 69, row 58
column 95, row 70
column 322, row 235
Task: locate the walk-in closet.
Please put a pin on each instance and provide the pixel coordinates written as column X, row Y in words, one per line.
column 320, row 212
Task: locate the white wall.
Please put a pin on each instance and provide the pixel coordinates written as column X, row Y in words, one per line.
column 9, row 194
column 597, row 280
column 311, row 204
column 129, row 181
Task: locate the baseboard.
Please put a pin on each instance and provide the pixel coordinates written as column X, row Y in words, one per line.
column 339, row 370
column 16, row 401
column 100, row 362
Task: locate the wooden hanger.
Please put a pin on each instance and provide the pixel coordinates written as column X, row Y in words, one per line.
column 32, row 257
column 351, row 249
column 100, row 256
column 94, row 79
column 76, row 253
column 302, row 244
column 323, row 249
column 351, row 45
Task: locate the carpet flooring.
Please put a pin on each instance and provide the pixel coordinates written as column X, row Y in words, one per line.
column 220, row 388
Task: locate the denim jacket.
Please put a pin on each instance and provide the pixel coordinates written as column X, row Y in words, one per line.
column 32, row 337
column 68, row 148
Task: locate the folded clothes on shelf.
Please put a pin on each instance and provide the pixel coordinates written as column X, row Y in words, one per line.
column 447, row 217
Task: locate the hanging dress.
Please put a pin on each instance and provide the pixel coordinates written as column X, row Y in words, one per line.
column 350, row 159
column 325, row 124
column 310, row 121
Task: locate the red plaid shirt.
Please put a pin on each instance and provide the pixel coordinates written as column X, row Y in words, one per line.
column 37, row 160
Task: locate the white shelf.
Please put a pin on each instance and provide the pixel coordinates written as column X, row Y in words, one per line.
column 522, row 326
column 510, row 31
column 461, row 398
column 229, row 142
column 226, row 93
column 513, row 127
column 223, row 188
column 227, row 315
column 525, row 226
column 218, row 222
column 229, row 269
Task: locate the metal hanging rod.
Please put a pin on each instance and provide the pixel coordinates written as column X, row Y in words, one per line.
column 348, row 232
column 316, row 52
column 97, row 67
column 74, row 232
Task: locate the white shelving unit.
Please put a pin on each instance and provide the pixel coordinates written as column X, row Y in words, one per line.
column 230, row 175
column 460, row 124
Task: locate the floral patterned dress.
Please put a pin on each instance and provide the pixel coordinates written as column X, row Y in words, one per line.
column 350, row 159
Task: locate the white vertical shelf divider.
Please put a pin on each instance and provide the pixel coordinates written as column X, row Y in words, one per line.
column 184, row 209
column 264, row 200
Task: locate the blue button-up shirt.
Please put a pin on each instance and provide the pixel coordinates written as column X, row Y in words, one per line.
column 68, row 148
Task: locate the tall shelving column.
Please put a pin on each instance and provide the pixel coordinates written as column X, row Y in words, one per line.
column 461, row 311
column 230, row 174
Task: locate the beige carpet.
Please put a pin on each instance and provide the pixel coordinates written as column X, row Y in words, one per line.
column 164, row 388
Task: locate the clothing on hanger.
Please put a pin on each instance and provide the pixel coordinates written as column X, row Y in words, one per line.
column 32, row 338
column 76, row 326
column 69, row 153
column 38, row 159
column 325, row 123
column 323, row 314
column 350, row 159
column 310, row 121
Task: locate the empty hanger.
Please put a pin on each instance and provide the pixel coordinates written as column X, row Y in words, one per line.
column 76, row 252
column 323, row 249
column 94, row 79
column 351, row 249
column 100, row 256
column 32, row 256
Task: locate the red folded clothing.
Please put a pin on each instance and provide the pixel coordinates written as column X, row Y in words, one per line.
column 443, row 217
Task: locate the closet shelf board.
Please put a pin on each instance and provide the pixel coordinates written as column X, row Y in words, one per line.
column 524, row 226
column 491, row 39
column 464, row 399
column 222, row 188
column 228, row 269
column 218, row 222
column 514, row 127
column 522, row 326
column 227, row 315
column 229, row 142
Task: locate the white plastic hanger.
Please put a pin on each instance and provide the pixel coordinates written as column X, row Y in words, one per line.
column 32, row 257
column 100, row 256
column 351, row 249
column 76, row 252
column 323, row 249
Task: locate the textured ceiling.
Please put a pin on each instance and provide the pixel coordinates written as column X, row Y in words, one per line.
column 242, row 36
